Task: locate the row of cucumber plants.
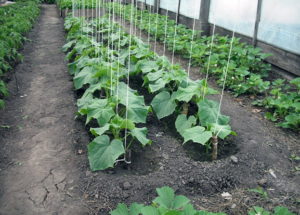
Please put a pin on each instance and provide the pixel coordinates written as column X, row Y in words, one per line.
column 172, row 90
column 113, row 110
column 15, row 20
column 167, row 203
column 246, row 67
column 246, row 70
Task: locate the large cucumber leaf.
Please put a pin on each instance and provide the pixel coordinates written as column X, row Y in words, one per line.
column 103, row 154
column 193, row 89
column 137, row 110
column 163, row 104
column 208, row 113
column 197, row 134
column 141, row 135
column 85, row 76
column 182, row 123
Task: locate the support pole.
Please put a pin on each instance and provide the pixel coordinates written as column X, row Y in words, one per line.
column 204, row 15
column 157, row 6
column 178, row 12
column 257, row 20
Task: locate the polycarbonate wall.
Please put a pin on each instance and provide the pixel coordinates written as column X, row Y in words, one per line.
column 170, row 5
column 190, row 8
column 238, row 15
column 149, row 2
column 280, row 24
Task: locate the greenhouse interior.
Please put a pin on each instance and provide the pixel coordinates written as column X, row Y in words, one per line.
column 149, row 107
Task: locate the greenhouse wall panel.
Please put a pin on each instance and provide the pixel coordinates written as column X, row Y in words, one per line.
column 149, row 2
column 280, row 24
column 234, row 15
column 190, row 8
column 171, row 5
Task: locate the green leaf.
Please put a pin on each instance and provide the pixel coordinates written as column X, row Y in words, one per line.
column 99, row 110
column 120, row 210
column 137, row 110
column 149, row 210
column 221, row 131
column 209, row 113
column 121, row 123
column 68, row 45
column 141, row 135
column 197, row 134
column 209, row 213
column 167, row 199
column 194, row 88
column 135, row 209
column 103, row 154
column 182, row 123
column 99, row 131
column 149, row 66
column 85, row 76
column 157, row 85
column 258, row 211
column 2, row 104
column 282, row 211
column 189, row 210
column 163, row 104
column 153, row 76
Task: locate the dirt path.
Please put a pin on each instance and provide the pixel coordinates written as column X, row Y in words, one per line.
column 38, row 169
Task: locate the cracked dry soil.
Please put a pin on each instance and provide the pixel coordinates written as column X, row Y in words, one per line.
column 38, row 169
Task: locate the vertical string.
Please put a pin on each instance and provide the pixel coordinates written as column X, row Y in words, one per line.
column 141, row 20
column 127, row 90
column 166, row 28
column 175, row 35
column 156, row 25
column 191, row 50
column 226, row 69
column 149, row 25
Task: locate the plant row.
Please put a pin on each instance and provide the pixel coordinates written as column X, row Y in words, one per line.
column 77, row 4
column 15, row 20
column 103, row 69
column 167, row 203
column 246, row 72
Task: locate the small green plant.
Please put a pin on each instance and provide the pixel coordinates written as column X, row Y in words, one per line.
column 260, row 191
column 167, row 203
column 277, row 211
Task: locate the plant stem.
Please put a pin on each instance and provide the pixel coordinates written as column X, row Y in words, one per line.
column 185, row 108
column 214, row 154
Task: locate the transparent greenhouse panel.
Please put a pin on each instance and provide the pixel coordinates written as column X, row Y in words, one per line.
column 190, row 8
column 238, row 15
column 170, row 5
column 149, row 2
column 280, row 24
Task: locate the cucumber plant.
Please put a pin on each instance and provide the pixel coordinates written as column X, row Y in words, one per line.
column 166, row 203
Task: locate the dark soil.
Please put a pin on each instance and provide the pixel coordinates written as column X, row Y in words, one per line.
column 260, row 148
column 44, row 166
